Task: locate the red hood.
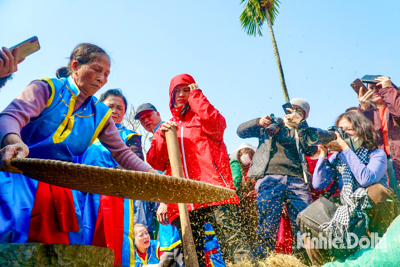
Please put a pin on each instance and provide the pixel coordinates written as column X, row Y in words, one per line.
column 178, row 80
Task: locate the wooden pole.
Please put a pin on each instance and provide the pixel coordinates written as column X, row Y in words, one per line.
column 177, row 171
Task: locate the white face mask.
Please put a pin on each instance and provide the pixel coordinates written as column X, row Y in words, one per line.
column 245, row 159
column 290, row 125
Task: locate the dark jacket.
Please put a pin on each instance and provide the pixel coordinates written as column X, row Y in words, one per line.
column 392, row 99
column 262, row 156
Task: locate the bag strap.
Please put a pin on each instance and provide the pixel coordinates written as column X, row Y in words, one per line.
column 296, row 137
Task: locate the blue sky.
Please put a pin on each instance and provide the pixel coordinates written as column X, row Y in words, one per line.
column 324, row 46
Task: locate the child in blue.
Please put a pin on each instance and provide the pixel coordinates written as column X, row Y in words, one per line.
column 147, row 251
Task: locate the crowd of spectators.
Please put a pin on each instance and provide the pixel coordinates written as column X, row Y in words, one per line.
column 358, row 170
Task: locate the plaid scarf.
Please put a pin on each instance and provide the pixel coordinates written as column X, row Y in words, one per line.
column 354, row 199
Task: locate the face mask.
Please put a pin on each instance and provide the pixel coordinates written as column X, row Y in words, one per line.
column 245, row 159
column 357, row 142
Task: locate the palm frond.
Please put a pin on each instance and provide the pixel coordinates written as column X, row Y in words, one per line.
column 273, row 10
column 253, row 15
column 252, row 18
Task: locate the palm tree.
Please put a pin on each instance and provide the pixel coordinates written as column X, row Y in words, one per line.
column 252, row 19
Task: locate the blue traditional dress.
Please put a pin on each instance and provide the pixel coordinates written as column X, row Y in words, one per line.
column 32, row 211
column 152, row 255
column 169, row 237
column 145, row 213
column 103, row 220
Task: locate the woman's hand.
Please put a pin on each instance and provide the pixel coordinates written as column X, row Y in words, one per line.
column 166, row 126
column 193, row 87
column 324, row 150
column 334, row 146
column 152, row 171
column 383, row 82
column 341, row 143
column 337, row 145
column 19, row 150
column 293, row 117
column 264, row 121
column 162, row 214
column 364, row 98
column 8, row 62
column 13, row 147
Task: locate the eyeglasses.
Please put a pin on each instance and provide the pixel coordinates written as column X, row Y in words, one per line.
column 298, row 110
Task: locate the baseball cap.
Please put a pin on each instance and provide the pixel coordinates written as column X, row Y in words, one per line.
column 144, row 107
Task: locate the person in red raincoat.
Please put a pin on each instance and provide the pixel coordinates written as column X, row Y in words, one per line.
column 200, row 129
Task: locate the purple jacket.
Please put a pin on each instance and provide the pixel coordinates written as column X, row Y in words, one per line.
column 366, row 175
column 392, row 100
column 32, row 101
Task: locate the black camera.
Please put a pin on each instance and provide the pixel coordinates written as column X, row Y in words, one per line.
column 273, row 128
column 316, row 136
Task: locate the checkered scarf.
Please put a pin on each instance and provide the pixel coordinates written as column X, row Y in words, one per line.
column 353, row 196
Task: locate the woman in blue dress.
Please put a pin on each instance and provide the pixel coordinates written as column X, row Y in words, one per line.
column 103, row 220
column 55, row 119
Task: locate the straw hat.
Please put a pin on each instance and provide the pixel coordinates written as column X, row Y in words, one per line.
column 244, row 145
column 121, row 183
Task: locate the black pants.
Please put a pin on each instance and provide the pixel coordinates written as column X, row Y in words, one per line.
column 225, row 221
column 172, row 258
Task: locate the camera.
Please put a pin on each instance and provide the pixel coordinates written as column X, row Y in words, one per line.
column 316, row 136
column 273, row 128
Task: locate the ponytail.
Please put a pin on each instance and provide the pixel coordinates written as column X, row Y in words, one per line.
column 62, row 73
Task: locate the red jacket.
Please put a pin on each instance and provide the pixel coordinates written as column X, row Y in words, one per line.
column 203, row 151
column 392, row 99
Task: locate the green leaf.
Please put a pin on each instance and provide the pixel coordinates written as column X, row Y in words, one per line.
column 253, row 16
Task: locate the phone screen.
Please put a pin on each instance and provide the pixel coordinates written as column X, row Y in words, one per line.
column 285, row 106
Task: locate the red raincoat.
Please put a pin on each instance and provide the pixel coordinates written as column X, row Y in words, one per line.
column 203, row 151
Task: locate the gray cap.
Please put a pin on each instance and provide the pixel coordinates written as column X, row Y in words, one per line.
column 303, row 104
column 144, row 107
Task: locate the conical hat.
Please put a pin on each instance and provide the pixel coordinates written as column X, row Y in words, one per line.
column 121, row 183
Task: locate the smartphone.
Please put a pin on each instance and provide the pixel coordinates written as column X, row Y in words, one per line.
column 357, row 84
column 285, row 106
column 27, row 47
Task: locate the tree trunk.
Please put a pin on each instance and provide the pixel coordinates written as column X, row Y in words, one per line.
column 277, row 58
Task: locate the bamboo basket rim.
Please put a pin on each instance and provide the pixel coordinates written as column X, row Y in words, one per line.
column 121, row 183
